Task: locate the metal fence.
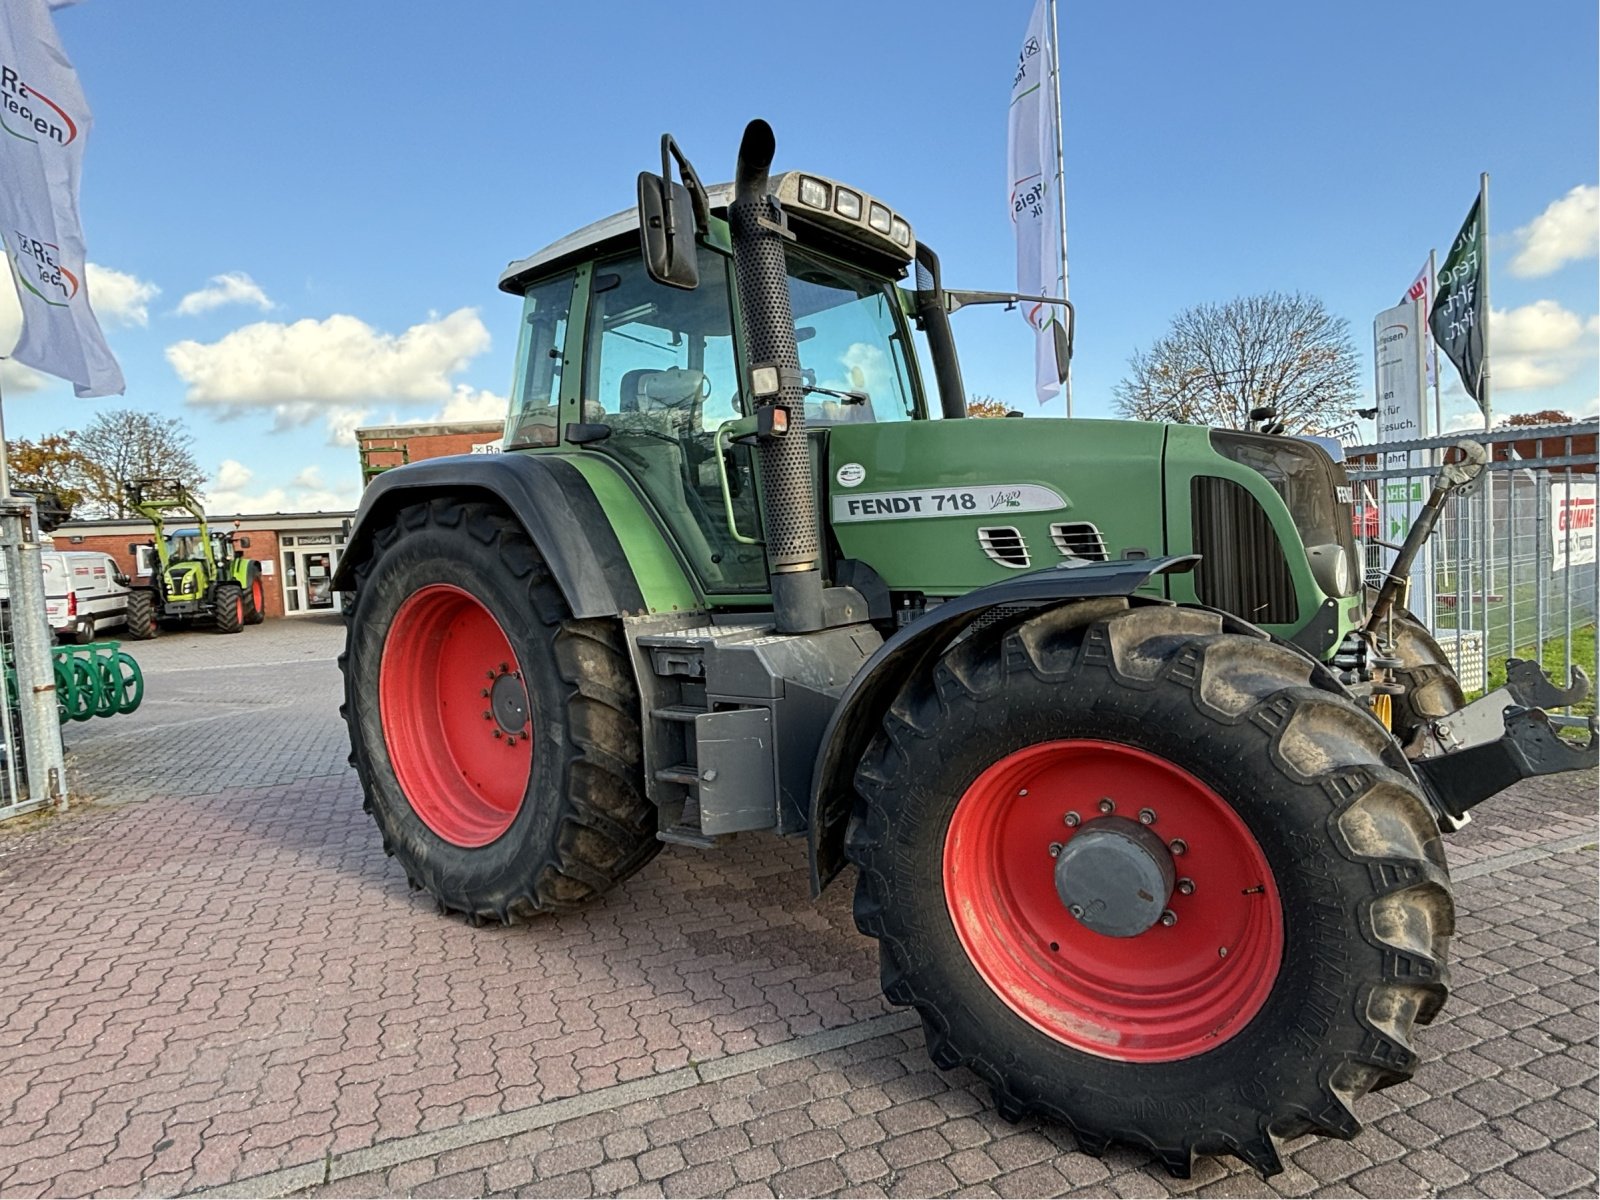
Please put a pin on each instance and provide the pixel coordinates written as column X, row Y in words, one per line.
column 14, row 798
column 1511, row 569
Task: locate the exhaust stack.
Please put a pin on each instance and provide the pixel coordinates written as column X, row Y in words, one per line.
column 759, row 231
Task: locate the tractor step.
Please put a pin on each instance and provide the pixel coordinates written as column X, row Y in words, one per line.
column 686, row 774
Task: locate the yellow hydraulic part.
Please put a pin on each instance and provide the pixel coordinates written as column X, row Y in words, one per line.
column 1383, row 709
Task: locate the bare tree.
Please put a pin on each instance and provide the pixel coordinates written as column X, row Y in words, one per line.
column 122, row 444
column 1216, row 362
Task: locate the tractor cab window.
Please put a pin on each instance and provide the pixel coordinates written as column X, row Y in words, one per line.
column 185, row 546
column 660, row 370
column 853, row 339
column 536, row 390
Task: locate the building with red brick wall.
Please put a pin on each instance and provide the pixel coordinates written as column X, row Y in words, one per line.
column 297, row 552
column 383, row 446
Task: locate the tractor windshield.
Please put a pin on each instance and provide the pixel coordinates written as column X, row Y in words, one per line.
column 186, row 545
column 852, row 338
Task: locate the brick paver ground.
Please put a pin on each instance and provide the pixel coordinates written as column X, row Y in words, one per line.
column 212, row 978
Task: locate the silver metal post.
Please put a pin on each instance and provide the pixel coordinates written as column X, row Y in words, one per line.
column 1061, row 177
column 30, row 633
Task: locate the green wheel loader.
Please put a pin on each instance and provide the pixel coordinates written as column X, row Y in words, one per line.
column 1144, row 794
column 200, row 575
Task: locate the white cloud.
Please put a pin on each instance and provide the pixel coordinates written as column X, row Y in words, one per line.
column 1565, row 232
column 230, row 491
column 1539, row 345
column 232, row 287
column 119, row 298
column 333, row 369
column 473, row 404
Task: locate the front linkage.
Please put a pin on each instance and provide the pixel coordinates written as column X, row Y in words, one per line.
column 1466, row 755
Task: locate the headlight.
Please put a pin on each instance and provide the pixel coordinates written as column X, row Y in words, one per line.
column 879, row 218
column 900, row 232
column 847, row 203
column 813, row 192
column 1334, row 571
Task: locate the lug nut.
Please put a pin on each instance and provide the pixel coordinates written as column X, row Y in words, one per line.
column 484, row 692
column 1178, row 846
column 1106, row 806
column 497, row 733
column 1055, row 849
column 1169, row 918
column 1222, row 952
column 487, row 715
column 1186, row 887
column 1022, row 791
column 1147, row 816
column 1072, row 819
column 1077, row 911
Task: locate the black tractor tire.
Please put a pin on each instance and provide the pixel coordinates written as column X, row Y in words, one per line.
column 228, row 607
column 582, row 824
column 1432, row 690
column 1329, row 801
column 255, row 596
column 141, row 619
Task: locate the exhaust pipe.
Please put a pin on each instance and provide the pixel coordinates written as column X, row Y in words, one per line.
column 793, row 540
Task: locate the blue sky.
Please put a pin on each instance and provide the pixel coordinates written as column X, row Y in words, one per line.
column 324, row 191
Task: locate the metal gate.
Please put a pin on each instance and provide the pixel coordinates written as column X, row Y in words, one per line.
column 1513, row 567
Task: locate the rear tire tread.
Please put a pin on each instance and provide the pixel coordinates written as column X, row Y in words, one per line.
column 606, row 829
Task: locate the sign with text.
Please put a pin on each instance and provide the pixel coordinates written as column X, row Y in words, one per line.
column 1400, row 364
column 1572, row 529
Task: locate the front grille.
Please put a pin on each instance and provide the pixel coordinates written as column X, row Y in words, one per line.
column 1242, row 569
column 1079, row 539
column 1004, row 544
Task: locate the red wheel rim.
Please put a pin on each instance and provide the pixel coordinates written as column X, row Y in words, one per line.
column 444, row 680
column 238, row 611
column 1168, row 993
column 257, row 597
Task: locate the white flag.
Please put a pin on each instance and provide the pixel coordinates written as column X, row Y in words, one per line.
column 1035, row 195
column 43, row 123
column 1422, row 289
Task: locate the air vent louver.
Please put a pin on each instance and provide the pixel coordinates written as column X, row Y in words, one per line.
column 1079, row 539
column 1004, row 544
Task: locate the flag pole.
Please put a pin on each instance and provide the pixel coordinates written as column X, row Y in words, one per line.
column 1433, row 343
column 1483, row 215
column 1061, row 178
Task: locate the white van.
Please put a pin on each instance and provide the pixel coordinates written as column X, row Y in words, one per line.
column 85, row 593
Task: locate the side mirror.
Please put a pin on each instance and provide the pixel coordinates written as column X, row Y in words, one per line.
column 243, row 543
column 133, row 547
column 666, row 232
column 670, row 214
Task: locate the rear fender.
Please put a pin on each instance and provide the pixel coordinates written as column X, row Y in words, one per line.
column 545, row 493
column 861, row 708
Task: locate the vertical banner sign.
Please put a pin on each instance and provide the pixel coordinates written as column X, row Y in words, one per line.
column 1035, row 197
column 43, row 123
column 1572, row 527
column 1422, row 289
column 1458, row 315
column 1399, row 354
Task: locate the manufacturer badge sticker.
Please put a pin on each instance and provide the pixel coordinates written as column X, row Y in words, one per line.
column 851, row 474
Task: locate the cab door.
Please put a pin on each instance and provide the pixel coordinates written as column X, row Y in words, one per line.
column 661, row 372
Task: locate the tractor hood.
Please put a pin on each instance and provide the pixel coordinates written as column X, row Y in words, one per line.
column 943, row 507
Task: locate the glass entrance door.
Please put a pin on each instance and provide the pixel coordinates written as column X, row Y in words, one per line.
column 308, row 565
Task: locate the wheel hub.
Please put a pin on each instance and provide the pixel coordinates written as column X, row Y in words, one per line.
column 508, row 700
column 1115, row 876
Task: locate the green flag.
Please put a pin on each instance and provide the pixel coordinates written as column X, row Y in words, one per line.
column 1459, row 316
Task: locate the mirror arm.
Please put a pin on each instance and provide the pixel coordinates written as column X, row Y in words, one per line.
column 691, row 180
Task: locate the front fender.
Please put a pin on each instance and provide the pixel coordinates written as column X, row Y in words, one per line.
column 874, row 687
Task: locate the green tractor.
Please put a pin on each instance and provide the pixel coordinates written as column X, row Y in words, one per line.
column 200, row 575
column 1144, row 794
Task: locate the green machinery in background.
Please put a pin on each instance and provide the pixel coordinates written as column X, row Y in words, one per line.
column 99, row 679
column 200, row 575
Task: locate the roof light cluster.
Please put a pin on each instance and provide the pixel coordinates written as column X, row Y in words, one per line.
column 862, row 211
